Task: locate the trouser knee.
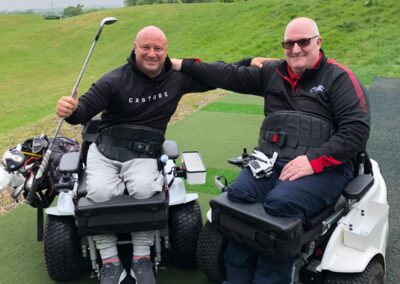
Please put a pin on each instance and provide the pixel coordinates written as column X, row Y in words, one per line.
column 278, row 205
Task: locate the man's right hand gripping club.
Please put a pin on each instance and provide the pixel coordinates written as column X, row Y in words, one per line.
column 67, row 105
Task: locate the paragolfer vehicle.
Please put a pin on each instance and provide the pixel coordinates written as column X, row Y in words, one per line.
column 173, row 213
column 345, row 243
column 42, row 169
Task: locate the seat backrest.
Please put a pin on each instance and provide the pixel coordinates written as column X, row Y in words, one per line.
column 89, row 131
column 89, row 135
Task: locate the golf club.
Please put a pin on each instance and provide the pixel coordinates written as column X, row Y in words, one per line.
column 43, row 169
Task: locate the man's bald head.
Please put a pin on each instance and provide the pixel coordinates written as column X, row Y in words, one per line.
column 150, row 50
column 151, row 31
column 302, row 23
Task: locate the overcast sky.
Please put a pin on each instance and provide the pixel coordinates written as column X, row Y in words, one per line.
column 10, row 5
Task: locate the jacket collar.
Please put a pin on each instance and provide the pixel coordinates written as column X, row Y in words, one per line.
column 282, row 68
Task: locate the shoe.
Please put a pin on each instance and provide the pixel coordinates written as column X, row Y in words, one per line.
column 111, row 273
column 142, row 271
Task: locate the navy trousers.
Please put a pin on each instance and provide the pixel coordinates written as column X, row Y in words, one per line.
column 301, row 198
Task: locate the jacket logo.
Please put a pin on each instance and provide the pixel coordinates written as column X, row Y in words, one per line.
column 317, row 89
column 148, row 98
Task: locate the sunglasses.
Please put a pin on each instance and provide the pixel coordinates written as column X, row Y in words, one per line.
column 303, row 42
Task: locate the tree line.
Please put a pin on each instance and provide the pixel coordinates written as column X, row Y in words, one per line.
column 146, row 2
column 71, row 11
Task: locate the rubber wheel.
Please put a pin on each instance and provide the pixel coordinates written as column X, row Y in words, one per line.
column 211, row 247
column 62, row 250
column 185, row 223
column 373, row 274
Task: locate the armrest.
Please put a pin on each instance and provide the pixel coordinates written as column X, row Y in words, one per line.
column 358, row 187
column 70, row 163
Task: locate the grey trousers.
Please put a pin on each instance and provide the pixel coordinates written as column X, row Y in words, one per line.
column 108, row 178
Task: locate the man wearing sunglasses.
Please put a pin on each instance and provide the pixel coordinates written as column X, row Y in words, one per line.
column 316, row 118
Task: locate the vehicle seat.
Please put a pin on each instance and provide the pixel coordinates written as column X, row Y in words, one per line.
column 278, row 237
column 123, row 213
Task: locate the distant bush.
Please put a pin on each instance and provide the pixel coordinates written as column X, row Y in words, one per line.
column 71, row 11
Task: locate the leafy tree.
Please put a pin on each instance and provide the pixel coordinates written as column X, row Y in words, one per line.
column 73, row 11
column 130, row 2
column 145, row 2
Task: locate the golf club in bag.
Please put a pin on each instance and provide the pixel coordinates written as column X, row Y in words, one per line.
column 44, row 166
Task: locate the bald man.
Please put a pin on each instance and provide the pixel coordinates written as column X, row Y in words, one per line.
column 316, row 118
column 136, row 102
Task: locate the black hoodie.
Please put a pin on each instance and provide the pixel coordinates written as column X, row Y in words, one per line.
column 127, row 96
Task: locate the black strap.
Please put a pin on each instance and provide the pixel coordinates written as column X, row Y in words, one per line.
column 282, row 139
column 39, row 222
column 150, row 148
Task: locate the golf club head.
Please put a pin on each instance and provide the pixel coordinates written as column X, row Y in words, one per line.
column 108, row 21
column 105, row 21
column 13, row 160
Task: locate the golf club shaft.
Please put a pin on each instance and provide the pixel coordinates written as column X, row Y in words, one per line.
column 78, row 81
column 42, row 171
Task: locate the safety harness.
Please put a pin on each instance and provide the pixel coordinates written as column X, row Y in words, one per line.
column 292, row 133
column 125, row 142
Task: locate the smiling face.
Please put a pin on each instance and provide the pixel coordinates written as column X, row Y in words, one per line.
column 301, row 58
column 151, row 51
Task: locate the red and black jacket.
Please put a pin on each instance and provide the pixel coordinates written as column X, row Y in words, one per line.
column 328, row 90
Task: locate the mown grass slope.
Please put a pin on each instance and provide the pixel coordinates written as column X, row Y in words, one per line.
column 40, row 60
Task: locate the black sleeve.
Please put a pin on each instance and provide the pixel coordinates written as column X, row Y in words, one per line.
column 244, row 62
column 96, row 99
column 195, row 86
column 351, row 112
column 233, row 77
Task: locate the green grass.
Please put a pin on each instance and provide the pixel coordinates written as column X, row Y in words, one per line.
column 23, row 257
column 235, row 98
column 218, row 136
column 40, row 59
column 234, row 108
column 209, row 187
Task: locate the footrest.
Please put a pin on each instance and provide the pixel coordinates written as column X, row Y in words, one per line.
column 121, row 214
column 251, row 225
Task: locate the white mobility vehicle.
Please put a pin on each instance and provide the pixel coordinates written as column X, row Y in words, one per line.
column 345, row 243
column 70, row 225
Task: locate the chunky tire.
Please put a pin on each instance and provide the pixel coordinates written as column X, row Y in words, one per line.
column 211, row 247
column 62, row 250
column 373, row 274
column 185, row 224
